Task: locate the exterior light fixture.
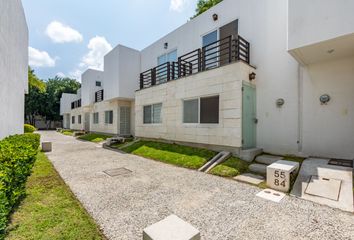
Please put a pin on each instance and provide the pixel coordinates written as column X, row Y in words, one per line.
column 325, row 98
column 165, row 45
column 215, row 17
column 280, row 102
column 252, row 76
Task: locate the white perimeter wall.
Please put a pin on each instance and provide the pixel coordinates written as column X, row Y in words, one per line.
column 264, row 25
column 328, row 130
column 226, row 82
column 13, row 66
column 319, row 20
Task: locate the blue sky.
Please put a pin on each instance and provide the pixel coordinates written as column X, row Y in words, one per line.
column 69, row 36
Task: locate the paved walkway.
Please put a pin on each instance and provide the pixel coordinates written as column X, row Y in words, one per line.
column 221, row 209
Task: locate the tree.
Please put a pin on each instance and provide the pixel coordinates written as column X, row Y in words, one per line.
column 43, row 98
column 34, row 100
column 55, row 88
column 204, row 5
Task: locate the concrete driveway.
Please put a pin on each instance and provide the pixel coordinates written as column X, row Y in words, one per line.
column 220, row 208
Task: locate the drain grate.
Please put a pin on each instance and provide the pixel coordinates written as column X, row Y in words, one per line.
column 341, row 162
column 117, row 172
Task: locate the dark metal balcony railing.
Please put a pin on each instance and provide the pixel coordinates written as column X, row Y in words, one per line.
column 76, row 104
column 214, row 55
column 99, row 96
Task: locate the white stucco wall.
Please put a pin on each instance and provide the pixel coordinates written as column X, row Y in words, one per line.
column 65, row 102
column 88, row 85
column 264, row 25
column 76, row 112
column 319, row 20
column 226, row 82
column 328, row 130
column 13, row 66
column 121, row 73
column 101, row 107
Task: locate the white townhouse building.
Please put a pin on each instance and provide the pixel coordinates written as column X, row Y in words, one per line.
column 13, row 67
column 245, row 74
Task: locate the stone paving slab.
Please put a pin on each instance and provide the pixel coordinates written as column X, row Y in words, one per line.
column 219, row 208
column 250, row 178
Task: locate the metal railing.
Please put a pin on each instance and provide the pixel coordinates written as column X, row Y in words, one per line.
column 99, row 96
column 76, row 104
column 214, row 55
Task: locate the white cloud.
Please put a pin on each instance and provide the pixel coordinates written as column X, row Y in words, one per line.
column 76, row 74
column 60, row 33
column 61, row 75
column 98, row 47
column 39, row 58
column 178, row 5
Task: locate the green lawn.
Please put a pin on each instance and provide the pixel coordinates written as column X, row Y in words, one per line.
column 50, row 210
column 94, row 137
column 178, row 155
column 231, row 168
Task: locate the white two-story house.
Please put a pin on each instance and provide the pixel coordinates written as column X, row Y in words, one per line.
column 105, row 102
column 245, row 74
column 13, row 67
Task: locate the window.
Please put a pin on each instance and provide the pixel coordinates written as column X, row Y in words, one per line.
column 73, row 119
column 209, row 109
column 98, row 84
column 95, row 118
column 108, row 117
column 79, row 119
column 169, row 57
column 190, row 111
column 210, row 60
column 152, row 113
column 203, row 110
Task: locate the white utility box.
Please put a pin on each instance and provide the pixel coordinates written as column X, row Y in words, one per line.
column 171, row 228
column 280, row 174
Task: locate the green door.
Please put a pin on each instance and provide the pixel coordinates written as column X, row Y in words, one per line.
column 249, row 119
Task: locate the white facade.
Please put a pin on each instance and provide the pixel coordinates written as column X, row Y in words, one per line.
column 298, row 57
column 13, row 67
column 121, row 71
column 91, row 82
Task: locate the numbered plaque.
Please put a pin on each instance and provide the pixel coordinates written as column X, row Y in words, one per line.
column 279, row 174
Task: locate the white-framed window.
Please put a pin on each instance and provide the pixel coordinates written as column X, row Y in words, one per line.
column 73, row 119
column 167, row 57
column 203, row 110
column 95, row 118
column 79, row 119
column 152, row 113
column 98, row 84
column 108, row 117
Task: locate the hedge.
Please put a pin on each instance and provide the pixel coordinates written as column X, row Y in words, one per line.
column 17, row 157
column 28, row 128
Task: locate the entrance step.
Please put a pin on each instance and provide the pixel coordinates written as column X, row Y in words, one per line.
column 250, row 178
column 267, row 159
column 258, row 168
column 249, row 154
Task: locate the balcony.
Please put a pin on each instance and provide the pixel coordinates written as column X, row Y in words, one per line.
column 214, row 55
column 99, row 96
column 76, row 104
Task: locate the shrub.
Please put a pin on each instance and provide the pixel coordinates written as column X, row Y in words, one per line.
column 28, row 128
column 97, row 140
column 17, row 156
column 67, row 133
